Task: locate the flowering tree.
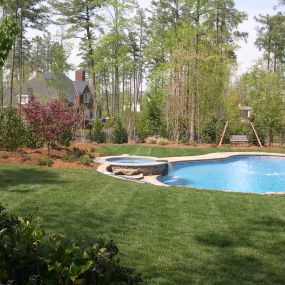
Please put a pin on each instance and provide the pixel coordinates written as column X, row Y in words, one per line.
column 50, row 124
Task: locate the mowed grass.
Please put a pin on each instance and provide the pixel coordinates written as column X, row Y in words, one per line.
column 166, row 151
column 172, row 235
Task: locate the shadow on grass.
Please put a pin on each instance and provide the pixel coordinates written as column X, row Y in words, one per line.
column 271, row 223
column 11, row 178
column 239, row 257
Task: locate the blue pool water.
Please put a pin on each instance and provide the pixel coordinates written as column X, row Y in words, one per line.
column 130, row 160
column 256, row 174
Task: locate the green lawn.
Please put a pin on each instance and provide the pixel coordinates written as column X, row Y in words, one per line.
column 172, row 235
column 159, row 151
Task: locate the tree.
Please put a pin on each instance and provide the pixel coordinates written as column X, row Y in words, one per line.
column 270, row 39
column 263, row 90
column 82, row 18
column 50, row 124
column 8, row 31
column 191, row 52
column 27, row 14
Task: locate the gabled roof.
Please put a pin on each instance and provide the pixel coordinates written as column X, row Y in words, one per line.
column 80, row 86
column 47, row 86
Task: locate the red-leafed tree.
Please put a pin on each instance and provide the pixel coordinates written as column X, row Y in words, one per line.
column 50, row 124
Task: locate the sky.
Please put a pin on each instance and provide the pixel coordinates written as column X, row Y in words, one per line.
column 247, row 53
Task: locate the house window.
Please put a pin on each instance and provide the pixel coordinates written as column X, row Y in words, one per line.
column 86, row 98
column 24, row 99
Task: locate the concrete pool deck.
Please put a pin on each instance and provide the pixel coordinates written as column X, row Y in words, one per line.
column 153, row 179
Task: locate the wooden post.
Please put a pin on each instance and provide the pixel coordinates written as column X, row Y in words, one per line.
column 223, row 134
column 256, row 135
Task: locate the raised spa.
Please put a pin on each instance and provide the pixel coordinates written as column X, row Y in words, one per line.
column 129, row 160
column 139, row 164
column 255, row 174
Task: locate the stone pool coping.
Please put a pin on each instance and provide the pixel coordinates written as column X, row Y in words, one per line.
column 153, row 179
column 155, row 160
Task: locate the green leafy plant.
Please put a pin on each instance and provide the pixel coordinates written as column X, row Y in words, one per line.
column 12, row 129
column 119, row 134
column 69, row 157
column 85, row 160
column 28, row 253
column 97, row 132
column 45, row 161
column 8, row 31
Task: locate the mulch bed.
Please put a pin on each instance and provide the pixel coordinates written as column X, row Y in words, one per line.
column 16, row 157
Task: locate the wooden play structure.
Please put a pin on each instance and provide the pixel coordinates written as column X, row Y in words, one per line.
column 238, row 140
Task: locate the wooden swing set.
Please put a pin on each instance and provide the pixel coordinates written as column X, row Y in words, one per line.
column 239, row 139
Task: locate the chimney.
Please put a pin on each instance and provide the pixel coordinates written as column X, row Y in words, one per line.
column 80, row 75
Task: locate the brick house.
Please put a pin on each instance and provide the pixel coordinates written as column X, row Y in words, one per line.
column 46, row 87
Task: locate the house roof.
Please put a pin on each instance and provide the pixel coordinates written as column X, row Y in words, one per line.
column 80, row 86
column 47, row 86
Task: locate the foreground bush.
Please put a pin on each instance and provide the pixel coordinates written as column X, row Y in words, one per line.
column 28, row 255
column 13, row 133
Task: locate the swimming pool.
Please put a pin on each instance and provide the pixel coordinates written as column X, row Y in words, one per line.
column 255, row 174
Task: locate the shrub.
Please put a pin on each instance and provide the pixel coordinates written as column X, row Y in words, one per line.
column 74, row 154
column 97, row 132
column 77, row 152
column 162, row 141
column 85, row 160
column 4, row 156
column 212, row 130
column 69, row 157
column 151, row 119
column 260, row 132
column 12, row 129
column 119, row 134
column 45, row 161
column 50, row 124
column 28, row 253
column 92, row 149
column 151, row 140
column 25, row 157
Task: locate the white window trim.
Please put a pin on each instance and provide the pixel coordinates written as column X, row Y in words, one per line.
column 86, row 98
column 24, row 99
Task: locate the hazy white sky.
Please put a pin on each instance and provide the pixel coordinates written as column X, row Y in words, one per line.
column 247, row 53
